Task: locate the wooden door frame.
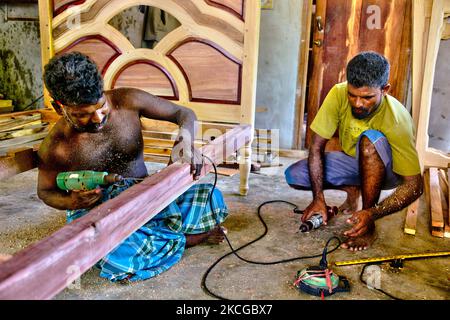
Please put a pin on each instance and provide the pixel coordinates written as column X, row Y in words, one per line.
column 304, row 100
column 302, row 74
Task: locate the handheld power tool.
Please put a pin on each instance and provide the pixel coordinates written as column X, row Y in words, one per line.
column 85, row 180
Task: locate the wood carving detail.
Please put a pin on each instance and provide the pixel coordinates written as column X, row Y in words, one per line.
column 235, row 7
column 102, row 51
column 60, row 6
column 212, row 75
column 149, row 76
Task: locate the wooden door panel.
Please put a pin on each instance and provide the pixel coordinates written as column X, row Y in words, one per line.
column 350, row 27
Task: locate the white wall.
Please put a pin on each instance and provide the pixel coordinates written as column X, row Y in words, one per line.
column 277, row 69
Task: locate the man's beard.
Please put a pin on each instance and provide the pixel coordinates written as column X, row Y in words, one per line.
column 90, row 128
column 360, row 115
column 364, row 113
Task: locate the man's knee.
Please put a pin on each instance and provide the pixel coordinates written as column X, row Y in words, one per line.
column 367, row 148
column 297, row 175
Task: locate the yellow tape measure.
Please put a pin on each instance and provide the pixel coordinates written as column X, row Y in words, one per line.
column 389, row 258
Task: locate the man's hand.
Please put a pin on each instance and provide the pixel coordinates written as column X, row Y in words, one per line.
column 186, row 152
column 315, row 207
column 196, row 163
column 84, row 199
column 362, row 221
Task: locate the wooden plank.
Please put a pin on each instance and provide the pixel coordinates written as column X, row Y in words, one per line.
column 437, row 217
column 419, row 42
column 15, row 127
column 27, row 130
column 10, row 143
column 302, row 73
column 17, row 161
column 6, row 106
column 5, row 103
column 41, row 270
column 11, row 123
column 156, row 159
column 445, row 205
column 229, row 172
column 411, row 218
column 19, row 113
column 46, row 38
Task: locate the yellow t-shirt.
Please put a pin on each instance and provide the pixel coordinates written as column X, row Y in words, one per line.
column 391, row 118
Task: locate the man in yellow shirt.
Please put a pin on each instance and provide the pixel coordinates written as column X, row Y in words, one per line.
column 376, row 135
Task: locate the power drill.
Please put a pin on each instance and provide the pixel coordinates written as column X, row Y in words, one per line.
column 85, row 180
column 316, row 219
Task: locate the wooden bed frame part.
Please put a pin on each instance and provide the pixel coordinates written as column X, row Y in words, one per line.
column 208, row 64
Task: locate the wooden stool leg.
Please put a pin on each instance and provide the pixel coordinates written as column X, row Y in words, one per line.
column 245, row 154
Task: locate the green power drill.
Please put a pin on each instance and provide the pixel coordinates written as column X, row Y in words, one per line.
column 85, row 180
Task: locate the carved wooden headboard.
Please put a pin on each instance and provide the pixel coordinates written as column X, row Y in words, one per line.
column 208, row 64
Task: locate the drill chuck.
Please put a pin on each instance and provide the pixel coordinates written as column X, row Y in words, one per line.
column 316, row 220
column 85, row 180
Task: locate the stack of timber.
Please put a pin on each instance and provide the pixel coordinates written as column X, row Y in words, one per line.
column 437, row 195
column 20, row 136
column 436, row 191
column 21, row 129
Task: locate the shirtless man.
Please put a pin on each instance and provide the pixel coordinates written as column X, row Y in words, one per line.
column 101, row 131
column 377, row 138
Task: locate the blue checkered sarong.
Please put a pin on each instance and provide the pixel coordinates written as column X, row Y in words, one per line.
column 160, row 243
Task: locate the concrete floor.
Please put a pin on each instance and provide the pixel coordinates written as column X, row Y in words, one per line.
column 24, row 219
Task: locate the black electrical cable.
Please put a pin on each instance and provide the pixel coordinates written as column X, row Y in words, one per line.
column 36, row 100
column 234, row 251
column 380, row 290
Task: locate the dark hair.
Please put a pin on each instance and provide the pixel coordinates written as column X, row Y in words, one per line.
column 73, row 79
column 368, row 69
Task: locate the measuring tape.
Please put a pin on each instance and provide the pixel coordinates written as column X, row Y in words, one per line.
column 388, row 258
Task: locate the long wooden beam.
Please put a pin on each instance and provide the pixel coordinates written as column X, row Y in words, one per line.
column 42, row 270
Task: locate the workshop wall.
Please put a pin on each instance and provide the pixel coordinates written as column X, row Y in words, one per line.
column 278, row 67
column 438, row 128
column 20, row 54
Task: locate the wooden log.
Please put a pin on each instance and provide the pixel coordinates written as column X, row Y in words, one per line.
column 42, row 270
column 17, row 161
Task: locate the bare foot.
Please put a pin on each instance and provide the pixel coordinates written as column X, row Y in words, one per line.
column 217, row 235
column 214, row 236
column 350, row 205
column 360, row 243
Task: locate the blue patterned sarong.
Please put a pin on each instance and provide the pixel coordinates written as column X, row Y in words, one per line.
column 160, row 243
